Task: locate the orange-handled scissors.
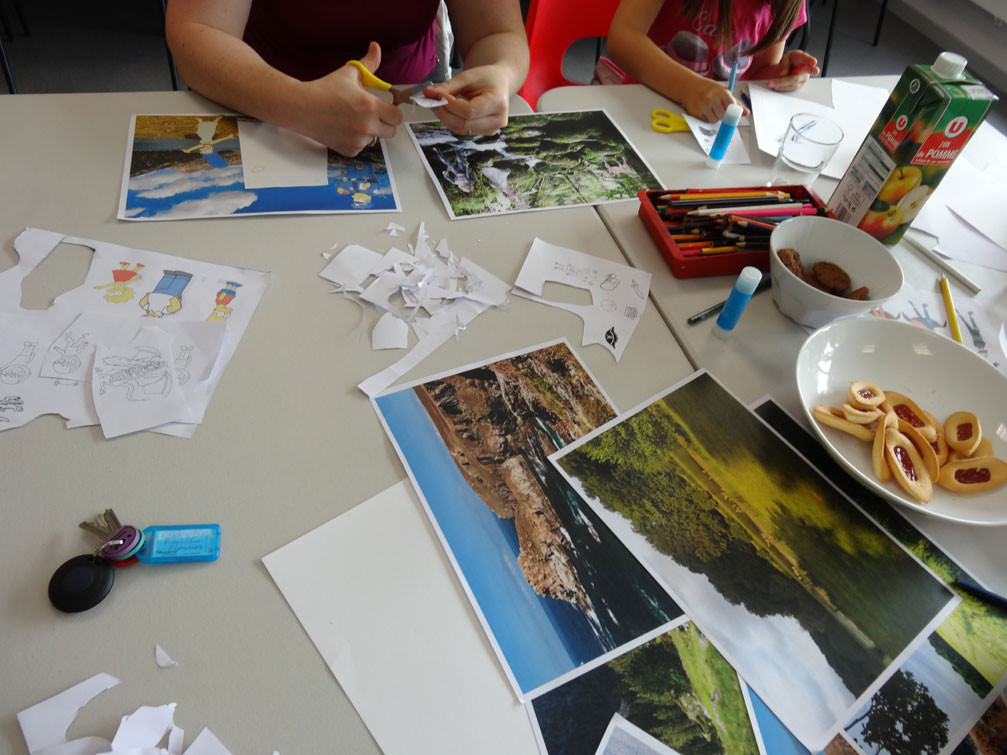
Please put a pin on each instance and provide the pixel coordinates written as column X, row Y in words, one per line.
column 667, row 122
column 371, row 81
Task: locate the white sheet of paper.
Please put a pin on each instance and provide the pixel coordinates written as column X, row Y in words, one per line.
column 856, row 107
column 436, row 688
column 986, row 211
column 706, row 134
column 44, row 725
column 618, row 292
column 275, row 157
column 956, row 238
column 162, row 659
column 390, row 332
column 135, row 386
column 624, row 736
column 145, row 728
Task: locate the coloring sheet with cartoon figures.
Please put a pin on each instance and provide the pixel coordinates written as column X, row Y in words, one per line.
column 211, row 166
column 140, row 345
column 618, row 292
column 926, row 309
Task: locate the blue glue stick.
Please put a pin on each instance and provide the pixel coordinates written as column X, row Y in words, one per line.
column 727, row 128
column 740, row 294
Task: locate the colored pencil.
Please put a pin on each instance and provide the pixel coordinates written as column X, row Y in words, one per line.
column 714, row 194
column 781, row 209
column 949, row 303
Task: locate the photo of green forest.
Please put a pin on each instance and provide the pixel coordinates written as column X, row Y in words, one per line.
column 536, row 161
column 677, row 688
column 802, row 593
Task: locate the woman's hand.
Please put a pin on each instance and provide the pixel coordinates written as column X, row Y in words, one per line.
column 478, row 100
column 342, row 115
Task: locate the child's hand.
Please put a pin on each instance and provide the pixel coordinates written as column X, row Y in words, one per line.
column 477, row 100
column 708, row 100
column 793, row 71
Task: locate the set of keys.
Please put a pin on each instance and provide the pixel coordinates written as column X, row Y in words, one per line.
column 84, row 581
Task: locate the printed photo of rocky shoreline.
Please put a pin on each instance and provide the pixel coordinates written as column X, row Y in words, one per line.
column 555, row 590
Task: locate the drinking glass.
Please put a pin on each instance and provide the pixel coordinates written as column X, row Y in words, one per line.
column 810, row 142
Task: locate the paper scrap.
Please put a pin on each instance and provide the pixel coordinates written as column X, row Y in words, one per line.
column 350, row 267
column 706, row 134
column 276, row 157
column 162, row 658
column 145, row 728
column 618, row 292
column 390, row 332
column 44, row 725
column 394, row 229
column 422, row 101
column 207, row 744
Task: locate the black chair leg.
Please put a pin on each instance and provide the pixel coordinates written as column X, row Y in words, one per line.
column 881, row 21
column 21, row 18
column 8, row 74
column 828, row 41
column 167, row 50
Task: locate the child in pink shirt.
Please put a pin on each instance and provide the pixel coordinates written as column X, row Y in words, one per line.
column 684, row 49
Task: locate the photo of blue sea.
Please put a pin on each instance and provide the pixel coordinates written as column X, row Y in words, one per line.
column 539, row 638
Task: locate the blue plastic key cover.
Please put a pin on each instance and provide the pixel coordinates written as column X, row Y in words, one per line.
column 81, row 583
column 179, row 543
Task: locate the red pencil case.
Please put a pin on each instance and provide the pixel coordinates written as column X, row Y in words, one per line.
column 727, row 263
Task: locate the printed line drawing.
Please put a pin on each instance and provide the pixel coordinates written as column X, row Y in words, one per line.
column 143, row 375
column 924, row 319
column 71, row 348
column 611, row 282
column 16, row 370
column 182, row 362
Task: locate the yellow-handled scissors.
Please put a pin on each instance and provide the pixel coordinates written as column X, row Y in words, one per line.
column 667, row 122
column 371, row 81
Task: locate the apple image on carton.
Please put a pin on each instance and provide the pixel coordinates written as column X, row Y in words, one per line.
column 901, row 182
column 881, row 219
column 913, row 202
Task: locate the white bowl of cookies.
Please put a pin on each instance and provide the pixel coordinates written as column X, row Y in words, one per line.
column 911, row 414
column 824, row 270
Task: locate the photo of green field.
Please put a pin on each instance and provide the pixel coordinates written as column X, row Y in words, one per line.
column 677, row 688
column 802, row 592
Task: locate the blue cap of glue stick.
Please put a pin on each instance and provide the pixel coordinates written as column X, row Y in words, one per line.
column 743, row 289
column 724, row 134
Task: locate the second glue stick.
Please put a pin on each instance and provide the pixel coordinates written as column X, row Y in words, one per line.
column 737, row 300
column 727, row 128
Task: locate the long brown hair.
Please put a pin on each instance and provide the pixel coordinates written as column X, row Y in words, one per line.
column 784, row 13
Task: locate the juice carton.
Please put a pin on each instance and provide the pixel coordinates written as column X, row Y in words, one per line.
column 922, row 128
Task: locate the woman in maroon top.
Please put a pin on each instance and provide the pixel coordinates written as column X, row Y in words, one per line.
column 284, row 61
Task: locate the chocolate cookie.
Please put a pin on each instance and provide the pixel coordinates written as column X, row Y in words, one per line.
column 832, row 277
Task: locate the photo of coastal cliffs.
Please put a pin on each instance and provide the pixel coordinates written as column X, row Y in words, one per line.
column 555, row 590
column 805, row 595
column 932, row 702
column 535, row 162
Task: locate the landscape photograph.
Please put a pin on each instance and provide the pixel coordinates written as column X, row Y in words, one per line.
column 809, row 599
column 555, row 590
column 677, row 688
column 189, row 166
column 940, row 690
column 535, row 162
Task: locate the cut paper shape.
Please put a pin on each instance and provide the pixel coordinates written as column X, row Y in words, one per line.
column 618, row 292
column 706, row 134
column 623, row 736
column 275, row 157
column 430, row 102
column 436, row 688
column 45, row 724
column 134, row 384
column 351, row 266
column 145, row 728
column 394, row 229
column 206, row 743
column 162, row 659
column 390, row 332
column 194, row 166
column 535, row 162
column 47, row 356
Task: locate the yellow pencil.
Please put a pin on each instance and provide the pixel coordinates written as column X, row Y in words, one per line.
column 956, row 331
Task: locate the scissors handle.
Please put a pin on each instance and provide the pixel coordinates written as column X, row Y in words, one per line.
column 667, row 122
column 367, row 78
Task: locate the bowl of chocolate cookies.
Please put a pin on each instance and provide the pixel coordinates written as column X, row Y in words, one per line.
column 824, row 270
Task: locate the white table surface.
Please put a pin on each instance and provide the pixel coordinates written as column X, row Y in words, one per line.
column 288, row 442
column 759, row 358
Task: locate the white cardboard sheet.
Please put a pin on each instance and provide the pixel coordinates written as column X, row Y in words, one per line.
column 275, row 157
column 432, row 685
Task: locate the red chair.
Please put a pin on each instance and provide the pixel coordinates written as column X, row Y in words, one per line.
column 552, row 26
